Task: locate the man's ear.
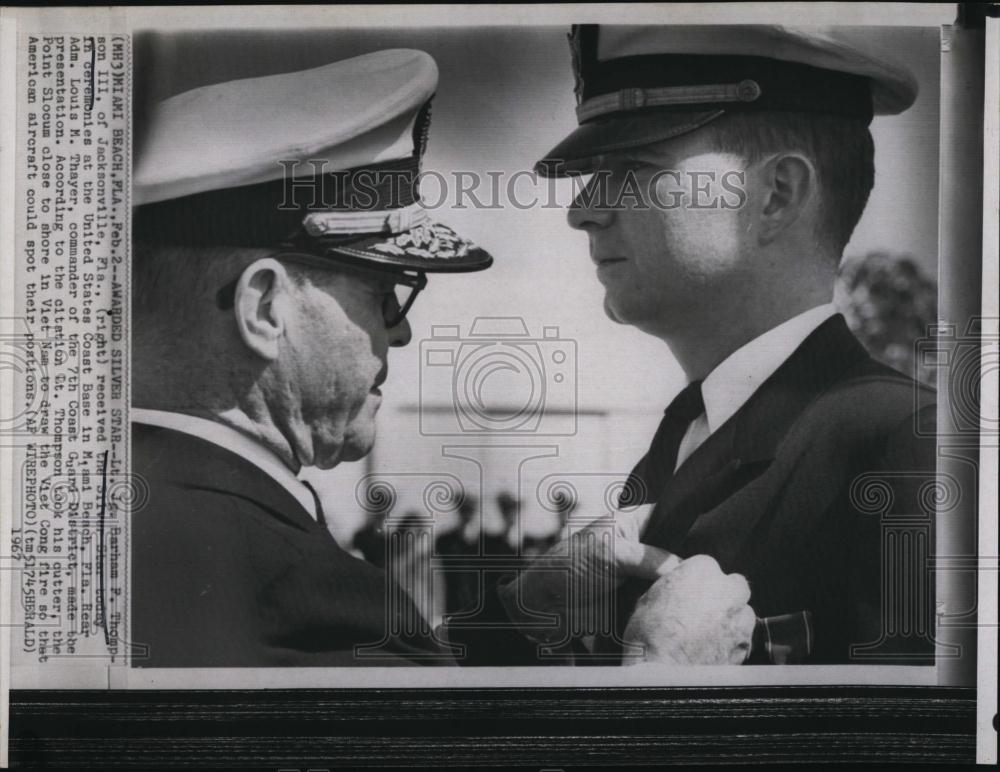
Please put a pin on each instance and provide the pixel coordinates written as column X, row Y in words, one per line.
column 789, row 182
column 260, row 314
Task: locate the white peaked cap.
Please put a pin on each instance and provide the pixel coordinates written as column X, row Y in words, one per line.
column 829, row 48
column 227, row 165
column 348, row 114
column 638, row 85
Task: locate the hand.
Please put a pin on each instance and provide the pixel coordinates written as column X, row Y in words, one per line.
column 694, row 615
column 595, row 560
column 632, row 557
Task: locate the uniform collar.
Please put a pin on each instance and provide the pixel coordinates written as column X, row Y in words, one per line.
column 728, row 387
column 233, row 441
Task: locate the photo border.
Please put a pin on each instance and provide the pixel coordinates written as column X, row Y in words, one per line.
column 540, row 728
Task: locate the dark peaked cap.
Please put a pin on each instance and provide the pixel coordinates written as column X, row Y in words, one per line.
column 639, row 85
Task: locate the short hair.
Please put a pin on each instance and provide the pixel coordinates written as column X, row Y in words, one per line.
column 181, row 281
column 176, row 279
column 840, row 147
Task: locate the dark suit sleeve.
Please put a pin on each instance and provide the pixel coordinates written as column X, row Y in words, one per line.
column 866, row 559
column 192, row 575
column 891, row 583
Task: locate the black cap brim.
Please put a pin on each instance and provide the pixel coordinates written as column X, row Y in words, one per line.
column 431, row 247
column 608, row 134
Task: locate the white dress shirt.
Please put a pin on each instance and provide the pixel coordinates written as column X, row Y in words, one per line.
column 728, row 387
column 230, row 439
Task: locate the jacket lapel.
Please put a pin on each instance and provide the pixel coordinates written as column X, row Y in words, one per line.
column 743, row 448
column 192, row 462
column 710, row 476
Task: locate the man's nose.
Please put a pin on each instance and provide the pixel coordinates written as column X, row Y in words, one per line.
column 401, row 334
column 589, row 209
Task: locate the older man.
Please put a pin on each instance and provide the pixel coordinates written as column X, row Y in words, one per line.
column 264, row 310
column 729, row 167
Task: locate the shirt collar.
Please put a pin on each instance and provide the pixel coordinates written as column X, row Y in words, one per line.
column 233, row 441
column 728, row 387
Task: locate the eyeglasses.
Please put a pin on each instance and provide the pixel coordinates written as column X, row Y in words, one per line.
column 395, row 304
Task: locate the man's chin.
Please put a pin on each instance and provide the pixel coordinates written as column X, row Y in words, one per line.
column 353, row 441
column 611, row 313
column 358, row 443
column 355, row 451
column 354, row 446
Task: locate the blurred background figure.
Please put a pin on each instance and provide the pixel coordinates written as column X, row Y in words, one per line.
column 889, row 303
column 463, row 539
column 507, row 541
column 461, row 585
column 566, row 506
column 369, row 540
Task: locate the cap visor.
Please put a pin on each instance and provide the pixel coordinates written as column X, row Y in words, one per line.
column 576, row 154
column 431, row 247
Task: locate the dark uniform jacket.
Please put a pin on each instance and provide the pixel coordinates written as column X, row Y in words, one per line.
column 817, row 491
column 229, row 570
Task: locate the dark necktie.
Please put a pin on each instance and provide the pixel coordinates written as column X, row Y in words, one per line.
column 651, row 474
column 320, row 518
